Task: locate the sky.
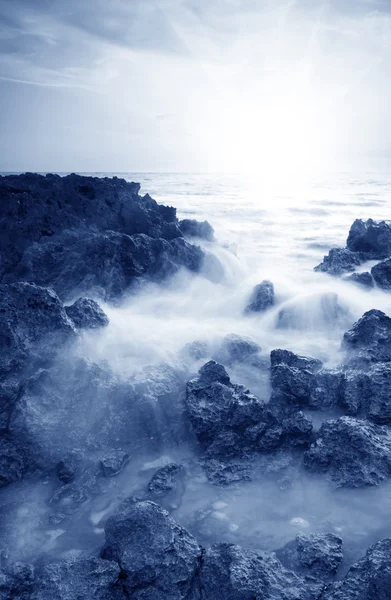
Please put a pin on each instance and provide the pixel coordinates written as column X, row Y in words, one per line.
column 193, row 85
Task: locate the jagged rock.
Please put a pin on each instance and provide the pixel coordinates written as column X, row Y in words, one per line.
column 165, row 480
column 12, row 462
column 364, row 279
column 372, row 239
column 316, row 554
column 16, row 582
column 316, row 311
column 368, row 579
column 237, row 349
column 338, row 261
column 67, row 467
column 297, row 430
column 369, row 340
column 369, row 393
column 158, row 558
column 73, row 579
column 200, row 229
column 87, row 314
column 103, row 264
column 114, row 462
column 223, row 472
column 216, row 407
column 353, row 453
column 229, row 571
column 381, row 273
column 262, row 297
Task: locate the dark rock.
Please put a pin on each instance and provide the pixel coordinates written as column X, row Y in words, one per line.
column 223, row 472
column 381, row 273
column 12, row 462
column 353, row 453
column 165, row 480
column 369, row 340
column 76, row 579
column 114, row 462
column 370, row 238
column 368, row 579
column 338, row 261
column 87, row 314
column 158, row 558
column 200, row 229
column 229, row 571
column 237, row 349
column 297, row 430
column 16, row 582
column 316, row 554
column 293, row 378
column 369, row 393
column 364, row 279
column 67, row 468
column 262, row 297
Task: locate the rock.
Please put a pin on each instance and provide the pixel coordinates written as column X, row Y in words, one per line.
column 364, row 279
column 165, row 480
column 237, row 349
column 381, row 273
column 313, row 312
column 316, row 554
column 87, row 314
column 369, row 340
column 114, row 462
column 297, row 430
column 12, row 462
column 368, row 579
column 369, row 393
column 16, row 582
column 158, row 558
column 226, row 472
column 199, row 229
column 67, row 468
column 216, row 407
column 353, row 453
column 262, row 298
column 338, row 261
column 229, row 571
column 73, row 579
column 372, row 239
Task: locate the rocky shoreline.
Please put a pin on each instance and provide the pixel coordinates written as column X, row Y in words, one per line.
column 69, row 243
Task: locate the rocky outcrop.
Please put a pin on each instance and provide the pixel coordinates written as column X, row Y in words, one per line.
column 87, row 314
column 369, row 340
column 371, row 239
column 158, row 558
column 339, row 261
column 197, row 229
column 165, row 480
column 262, row 298
column 352, row 452
column 381, row 273
column 316, row 554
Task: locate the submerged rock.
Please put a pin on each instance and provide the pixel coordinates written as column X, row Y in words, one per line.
column 200, row 229
column 364, row 279
column 352, row 452
column 313, row 312
column 369, row 340
column 87, row 314
column 368, row 579
column 165, row 480
column 316, row 554
column 339, row 261
column 158, row 558
column 381, row 273
column 262, row 298
column 114, row 462
column 238, row 349
column 372, row 239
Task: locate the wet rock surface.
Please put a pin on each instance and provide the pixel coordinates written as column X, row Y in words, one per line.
column 381, row 273
column 316, row 555
column 87, row 314
column 371, row 238
column 369, row 340
column 338, row 261
column 200, row 229
column 364, row 279
column 262, row 298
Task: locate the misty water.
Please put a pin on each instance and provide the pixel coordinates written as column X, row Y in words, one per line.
column 277, row 232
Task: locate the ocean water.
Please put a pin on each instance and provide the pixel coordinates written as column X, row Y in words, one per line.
column 277, row 231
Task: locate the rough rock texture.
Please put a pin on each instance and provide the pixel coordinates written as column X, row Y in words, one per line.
column 229, row 571
column 338, row 261
column 371, row 239
column 114, row 462
column 12, row 462
column 369, row 393
column 369, row 340
column 87, row 314
column 158, row 558
column 381, row 273
column 262, row 298
column 200, row 229
column 364, row 279
column 316, row 554
column 352, row 452
column 165, row 480
column 368, row 579
column 87, row 235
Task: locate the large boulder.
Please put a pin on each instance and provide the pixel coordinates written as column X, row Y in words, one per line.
column 381, row 273
column 352, row 452
column 371, row 239
column 158, row 558
column 198, row 229
column 261, row 299
column 369, row 393
column 369, row 340
column 315, row 554
column 339, row 261
column 87, row 314
column 368, row 579
column 229, row 571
